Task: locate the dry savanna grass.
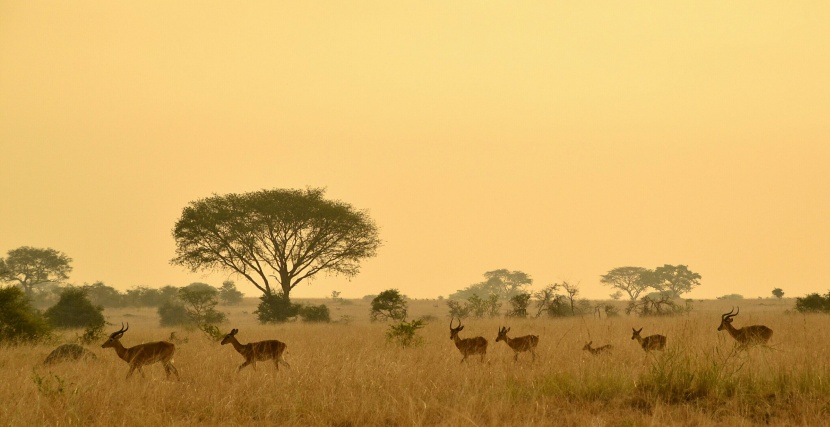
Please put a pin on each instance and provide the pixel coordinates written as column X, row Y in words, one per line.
column 345, row 374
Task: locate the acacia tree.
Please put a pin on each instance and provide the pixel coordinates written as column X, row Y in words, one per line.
column 281, row 234
column 677, row 279
column 28, row 267
column 503, row 283
column 631, row 280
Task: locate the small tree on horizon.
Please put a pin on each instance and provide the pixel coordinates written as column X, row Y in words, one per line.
column 778, row 293
column 29, row 267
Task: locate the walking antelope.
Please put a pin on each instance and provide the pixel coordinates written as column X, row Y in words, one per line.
column 651, row 342
column 143, row 354
column 519, row 344
column 468, row 346
column 257, row 351
column 746, row 336
column 599, row 350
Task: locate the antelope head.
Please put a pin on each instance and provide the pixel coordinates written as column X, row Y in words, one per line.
column 502, row 334
column 726, row 319
column 115, row 336
column 454, row 331
column 229, row 337
column 636, row 333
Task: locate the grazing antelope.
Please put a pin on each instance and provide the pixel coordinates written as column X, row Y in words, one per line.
column 257, row 351
column 468, row 346
column 651, row 342
column 68, row 352
column 746, row 336
column 143, row 354
column 519, row 344
column 599, row 350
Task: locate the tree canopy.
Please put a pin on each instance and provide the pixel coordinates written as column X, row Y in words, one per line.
column 677, row 279
column 503, row 283
column 282, row 234
column 28, row 267
column 631, row 280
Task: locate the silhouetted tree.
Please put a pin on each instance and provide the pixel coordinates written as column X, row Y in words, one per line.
column 28, row 267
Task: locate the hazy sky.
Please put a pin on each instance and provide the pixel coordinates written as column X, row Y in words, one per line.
column 562, row 139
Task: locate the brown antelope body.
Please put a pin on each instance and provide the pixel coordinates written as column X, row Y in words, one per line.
column 651, row 342
column 599, row 350
column 746, row 336
column 468, row 346
column 257, row 351
column 519, row 344
column 143, row 354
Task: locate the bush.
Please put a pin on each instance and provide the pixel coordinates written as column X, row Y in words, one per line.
column 813, row 303
column 458, row 310
column 75, row 310
column 173, row 314
column 276, row 308
column 404, row 334
column 228, row 293
column 19, row 321
column 315, row 313
column 389, row 304
column 732, row 296
column 519, row 304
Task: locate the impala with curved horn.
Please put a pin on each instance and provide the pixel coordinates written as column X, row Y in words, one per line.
column 257, row 351
column 519, row 344
column 143, row 354
column 468, row 346
column 746, row 336
column 651, row 342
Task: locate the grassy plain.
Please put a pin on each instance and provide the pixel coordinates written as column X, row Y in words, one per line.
column 345, row 374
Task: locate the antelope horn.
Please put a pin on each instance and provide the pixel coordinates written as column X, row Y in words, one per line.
column 452, row 319
column 727, row 315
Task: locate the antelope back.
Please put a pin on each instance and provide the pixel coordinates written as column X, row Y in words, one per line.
column 151, row 352
column 654, row 342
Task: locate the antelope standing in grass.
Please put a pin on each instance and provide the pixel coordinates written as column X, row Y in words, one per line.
column 599, row 350
column 143, row 354
column 257, row 351
column 519, row 344
column 468, row 346
column 746, row 336
column 651, row 342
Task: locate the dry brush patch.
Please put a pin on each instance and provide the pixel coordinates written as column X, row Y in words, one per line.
column 347, row 375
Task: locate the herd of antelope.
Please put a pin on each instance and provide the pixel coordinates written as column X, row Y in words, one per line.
column 162, row 351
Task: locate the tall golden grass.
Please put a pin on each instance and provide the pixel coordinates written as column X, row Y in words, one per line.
column 345, row 374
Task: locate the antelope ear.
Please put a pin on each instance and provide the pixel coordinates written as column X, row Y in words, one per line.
column 234, row 331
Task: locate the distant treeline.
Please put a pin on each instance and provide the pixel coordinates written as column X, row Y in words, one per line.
column 141, row 296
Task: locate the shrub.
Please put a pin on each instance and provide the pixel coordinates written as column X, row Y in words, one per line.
column 813, row 303
column 732, row 296
column 389, row 304
column 405, row 334
column 519, row 304
column 315, row 313
column 19, row 321
column 276, row 308
column 228, row 293
column 75, row 310
column 173, row 314
column 457, row 309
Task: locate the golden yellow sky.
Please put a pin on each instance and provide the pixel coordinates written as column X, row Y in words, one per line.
column 562, row 139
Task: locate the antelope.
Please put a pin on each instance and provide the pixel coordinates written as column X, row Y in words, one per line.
column 519, row 344
column 257, row 351
column 746, row 336
column 468, row 346
column 651, row 342
column 599, row 350
column 68, row 352
column 143, row 354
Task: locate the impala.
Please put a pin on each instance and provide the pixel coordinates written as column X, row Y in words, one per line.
column 651, row 342
column 143, row 354
column 468, row 346
column 257, row 351
column 599, row 350
column 746, row 336
column 519, row 344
